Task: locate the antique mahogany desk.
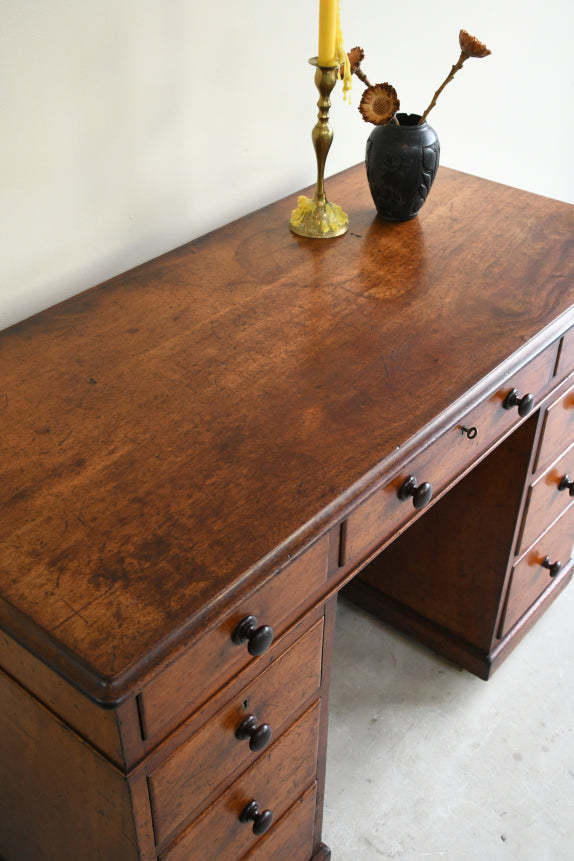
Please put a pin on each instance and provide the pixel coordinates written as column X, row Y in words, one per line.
column 200, row 453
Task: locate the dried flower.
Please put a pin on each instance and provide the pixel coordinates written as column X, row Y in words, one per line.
column 379, row 104
column 356, row 56
column 470, row 46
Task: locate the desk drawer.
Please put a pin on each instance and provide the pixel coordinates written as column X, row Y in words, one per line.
column 384, row 513
column 530, row 577
column 546, row 501
column 211, row 662
column 275, row 782
column 558, row 432
column 213, row 754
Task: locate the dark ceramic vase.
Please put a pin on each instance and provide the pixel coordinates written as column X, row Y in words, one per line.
column 402, row 162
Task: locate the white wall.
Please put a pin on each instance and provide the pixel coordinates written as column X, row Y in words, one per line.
column 130, row 126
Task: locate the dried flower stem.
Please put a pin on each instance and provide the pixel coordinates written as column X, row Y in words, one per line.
column 450, row 76
column 361, row 76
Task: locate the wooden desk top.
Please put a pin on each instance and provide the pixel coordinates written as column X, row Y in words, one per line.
column 169, row 437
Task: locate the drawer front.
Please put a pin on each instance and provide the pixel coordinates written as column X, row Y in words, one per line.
column 275, row 781
column 545, row 500
column 566, row 358
column 558, row 431
column 384, row 513
column 529, row 577
column 211, row 662
column 292, row 838
column 207, row 759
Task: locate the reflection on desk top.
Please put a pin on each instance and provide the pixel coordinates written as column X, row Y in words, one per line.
column 170, row 437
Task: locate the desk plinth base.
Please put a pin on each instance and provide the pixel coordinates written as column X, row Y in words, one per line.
column 324, row 853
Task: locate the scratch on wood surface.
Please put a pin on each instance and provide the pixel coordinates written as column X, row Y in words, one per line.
column 386, row 370
column 79, row 515
column 75, row 612
column 3, row 402
column 213, row 330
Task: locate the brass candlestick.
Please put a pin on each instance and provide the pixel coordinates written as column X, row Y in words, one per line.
column 317, row 218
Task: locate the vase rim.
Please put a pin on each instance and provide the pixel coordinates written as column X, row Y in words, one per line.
column 413, row 120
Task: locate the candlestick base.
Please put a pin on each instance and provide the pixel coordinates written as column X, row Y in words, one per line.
column 317, row 218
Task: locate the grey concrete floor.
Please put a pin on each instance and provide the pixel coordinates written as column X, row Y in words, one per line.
column 426, row 761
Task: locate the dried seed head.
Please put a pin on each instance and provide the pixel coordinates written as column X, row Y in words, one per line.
column 470, row 46
column 379, row 104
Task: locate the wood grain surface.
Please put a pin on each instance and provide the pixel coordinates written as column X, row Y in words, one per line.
column 169, row 437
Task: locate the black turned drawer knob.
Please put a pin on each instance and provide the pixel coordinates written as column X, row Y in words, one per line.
column 554, row 567
column 259, row 736
column 261, row 819
column 524, row 404
column 566, row 484
column 258, row 639
column 421, row 493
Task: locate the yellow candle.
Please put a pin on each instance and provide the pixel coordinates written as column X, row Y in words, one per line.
column 327, row 32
